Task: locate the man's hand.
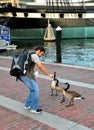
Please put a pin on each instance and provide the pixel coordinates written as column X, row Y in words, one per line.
column 51, row 75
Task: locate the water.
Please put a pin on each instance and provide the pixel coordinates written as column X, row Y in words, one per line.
column 74, row 52
column 78, row 52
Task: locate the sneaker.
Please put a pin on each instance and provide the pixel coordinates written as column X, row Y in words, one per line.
column 39, row 109
column 36, row 111
column 27, row 108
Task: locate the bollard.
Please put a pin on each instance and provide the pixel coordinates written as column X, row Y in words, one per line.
column 58, row 44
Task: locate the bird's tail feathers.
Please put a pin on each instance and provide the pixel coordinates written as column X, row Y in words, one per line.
column 79, row 98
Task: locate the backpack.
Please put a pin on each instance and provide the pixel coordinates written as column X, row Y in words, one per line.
column 19, row 64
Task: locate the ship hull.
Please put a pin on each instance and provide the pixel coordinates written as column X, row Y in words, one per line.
column 15, row 22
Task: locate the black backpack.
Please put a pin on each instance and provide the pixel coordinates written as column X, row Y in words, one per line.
column 19, row 64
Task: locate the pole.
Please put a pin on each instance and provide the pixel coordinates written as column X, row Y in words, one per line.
column 58, row 44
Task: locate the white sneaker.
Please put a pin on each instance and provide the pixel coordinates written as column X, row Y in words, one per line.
column 36, row 111
column 27, row 108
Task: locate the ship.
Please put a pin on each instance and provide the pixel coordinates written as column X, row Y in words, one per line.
column 28, row 20
column 21, row 14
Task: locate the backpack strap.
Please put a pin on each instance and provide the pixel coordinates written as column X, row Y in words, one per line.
column 29, row 58
column 25, row 51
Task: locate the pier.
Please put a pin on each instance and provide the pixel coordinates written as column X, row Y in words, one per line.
column 55, row 115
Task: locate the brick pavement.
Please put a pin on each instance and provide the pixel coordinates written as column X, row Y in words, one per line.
column 82, row 112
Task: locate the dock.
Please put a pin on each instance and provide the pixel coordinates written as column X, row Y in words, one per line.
column 8, row 47
column 55, row 115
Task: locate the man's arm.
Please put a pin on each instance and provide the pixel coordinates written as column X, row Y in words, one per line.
column 43, row 69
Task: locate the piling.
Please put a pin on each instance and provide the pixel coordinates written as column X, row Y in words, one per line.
column 58, row 44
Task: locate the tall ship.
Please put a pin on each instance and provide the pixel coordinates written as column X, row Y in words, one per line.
column 28, row 19
column 35, row 13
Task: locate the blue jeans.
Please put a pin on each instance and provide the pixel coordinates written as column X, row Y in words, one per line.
column 33, row 97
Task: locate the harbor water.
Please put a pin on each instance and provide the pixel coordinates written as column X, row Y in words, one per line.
column 78, row 52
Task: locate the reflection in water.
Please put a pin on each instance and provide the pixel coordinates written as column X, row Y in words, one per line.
column 74, row 52
column 50, row 55
column 49, row 44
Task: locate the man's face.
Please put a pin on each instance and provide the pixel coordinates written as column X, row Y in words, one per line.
column 40, row 53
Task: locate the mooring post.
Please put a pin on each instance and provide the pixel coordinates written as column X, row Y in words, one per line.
column 58, row 44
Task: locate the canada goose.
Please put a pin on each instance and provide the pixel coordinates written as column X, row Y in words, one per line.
column 54, row 84
column 71, row 95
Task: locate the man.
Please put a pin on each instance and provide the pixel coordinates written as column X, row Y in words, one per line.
column 32, row 100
